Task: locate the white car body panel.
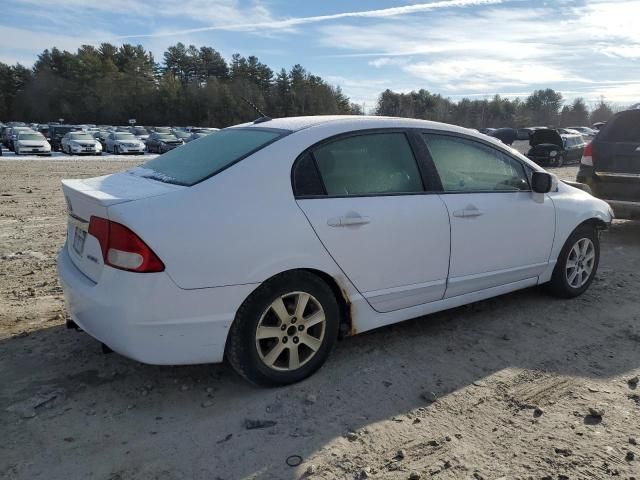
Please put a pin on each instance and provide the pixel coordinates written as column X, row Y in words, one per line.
column 508, row 238
column 407, row 235
column 222, row 238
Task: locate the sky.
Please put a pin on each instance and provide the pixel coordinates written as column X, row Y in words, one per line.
column 458, row 48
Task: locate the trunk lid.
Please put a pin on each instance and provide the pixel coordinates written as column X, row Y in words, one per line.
column 93, row 197
column 547, row 136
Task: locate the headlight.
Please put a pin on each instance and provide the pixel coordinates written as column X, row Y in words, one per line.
column 98, row 146
column 553, row 153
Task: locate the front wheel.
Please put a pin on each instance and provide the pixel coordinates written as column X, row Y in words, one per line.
column 558, row 161
column 577, row 263
column 285, row 330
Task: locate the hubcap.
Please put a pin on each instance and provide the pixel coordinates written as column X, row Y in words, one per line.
column 290, row 331
column 580, row 263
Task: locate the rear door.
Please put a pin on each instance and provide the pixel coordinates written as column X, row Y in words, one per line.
column 500, row 232
column 364, row 195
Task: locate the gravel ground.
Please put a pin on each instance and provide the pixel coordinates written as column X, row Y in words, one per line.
column 522, row 386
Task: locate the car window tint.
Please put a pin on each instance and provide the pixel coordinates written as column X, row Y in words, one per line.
column 469, row 166
column 306, row 180
column 368, row 164
column 623, row 128
column 196, row 161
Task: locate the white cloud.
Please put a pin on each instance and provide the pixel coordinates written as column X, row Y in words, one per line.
column 287, row 23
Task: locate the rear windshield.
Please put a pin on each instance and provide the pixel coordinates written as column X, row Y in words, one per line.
column 125, row 136
column 625, row 127
column 197, row 161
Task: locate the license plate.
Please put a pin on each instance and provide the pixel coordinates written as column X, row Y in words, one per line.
column 79, row 237
column 88, row 149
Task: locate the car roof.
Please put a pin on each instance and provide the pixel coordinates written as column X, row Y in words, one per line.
column 349, row 122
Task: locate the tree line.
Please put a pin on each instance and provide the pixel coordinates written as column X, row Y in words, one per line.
column 541, row 108
column 191, row 86
column 197, row 86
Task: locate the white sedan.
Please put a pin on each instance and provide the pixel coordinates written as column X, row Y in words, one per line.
column 264, row 242
column 124, row 142
column 80, row 143
column 31, row 142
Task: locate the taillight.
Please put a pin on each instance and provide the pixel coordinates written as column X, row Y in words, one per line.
column 123, row 249
column 587, row 155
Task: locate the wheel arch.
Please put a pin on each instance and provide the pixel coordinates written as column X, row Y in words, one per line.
column 346, row 321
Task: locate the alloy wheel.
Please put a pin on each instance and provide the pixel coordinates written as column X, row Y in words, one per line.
column 580, row 263
column 290, row 331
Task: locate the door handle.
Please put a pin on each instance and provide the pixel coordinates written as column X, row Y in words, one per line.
column 467, row 213
column 347, row 220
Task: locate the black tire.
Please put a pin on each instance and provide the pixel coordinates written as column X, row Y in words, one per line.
column 241, row 349
column 556, row 161
column 559, row 284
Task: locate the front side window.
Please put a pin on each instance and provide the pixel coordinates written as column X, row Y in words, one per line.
column 377, row 163
column 197, row 161
column 469, row 166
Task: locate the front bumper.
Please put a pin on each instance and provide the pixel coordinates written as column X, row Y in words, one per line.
column 131, row 150
column 147, row 317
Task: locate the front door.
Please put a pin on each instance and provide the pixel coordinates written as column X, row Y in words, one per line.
column 501, row 232
column 388, row 236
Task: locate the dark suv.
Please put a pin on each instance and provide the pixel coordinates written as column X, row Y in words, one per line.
column 610, row 164
column 56, row 132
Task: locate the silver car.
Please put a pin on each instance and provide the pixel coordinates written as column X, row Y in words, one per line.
column 124, row 142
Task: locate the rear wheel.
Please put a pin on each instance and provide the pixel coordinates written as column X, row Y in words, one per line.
column 577, row 263
column 285, row 330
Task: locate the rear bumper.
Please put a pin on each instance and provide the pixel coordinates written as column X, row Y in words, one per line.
column 621, row 191
column 147, row 317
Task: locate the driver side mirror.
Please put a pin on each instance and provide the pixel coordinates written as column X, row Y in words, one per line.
column 541, row 182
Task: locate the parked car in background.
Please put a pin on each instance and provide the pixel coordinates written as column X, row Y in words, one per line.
column 13, row 135
column 140, row 132
column 56, row 132
column 161, row 129
column 101, row 136
column 598, row 125
column 162, row 142
column 199, row 133
column 32, row 142
column 505, row 135
column 524, row 133
column 585, row 131
column 549, row 147
column 273, row 303
column 124, row 142
column 181, row 134
column 80, row 143
column 44, row 130
column 487, row 131
column 610, row 164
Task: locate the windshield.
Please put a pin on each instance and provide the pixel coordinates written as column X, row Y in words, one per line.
column 197, row 161
column 166, row 136
column 30, row 136
column 80, row 136
column 181, row 134
column 141, row 131
column 125, row 136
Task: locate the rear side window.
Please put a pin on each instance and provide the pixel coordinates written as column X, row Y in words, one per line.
column 623, row 128
column 468, row 166
column 376, row 163
column 197, row 161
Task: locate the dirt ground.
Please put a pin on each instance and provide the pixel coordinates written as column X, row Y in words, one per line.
column 499, row 389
